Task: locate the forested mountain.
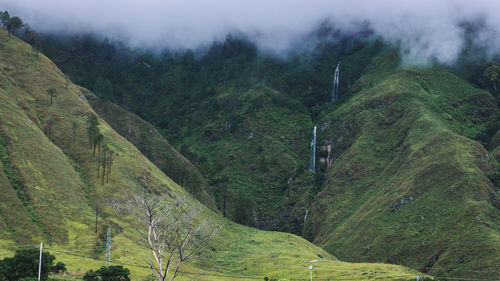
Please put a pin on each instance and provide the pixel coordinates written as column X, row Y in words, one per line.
column 58, row 185
column 245, row 119
column 406, row 166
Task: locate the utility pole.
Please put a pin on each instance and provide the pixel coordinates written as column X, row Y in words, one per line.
column 40, row 262
column 96, row 214
column 108, row 248
column 311, row 266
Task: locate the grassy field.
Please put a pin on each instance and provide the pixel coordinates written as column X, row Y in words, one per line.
column 45, row 149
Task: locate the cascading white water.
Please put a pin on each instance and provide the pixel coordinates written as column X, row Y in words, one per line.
column 335, row 90
column 312, row 158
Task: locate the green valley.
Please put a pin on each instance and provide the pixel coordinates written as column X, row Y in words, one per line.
column 405, row 182
column 406, row 160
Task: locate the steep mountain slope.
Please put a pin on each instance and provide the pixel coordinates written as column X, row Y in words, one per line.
column 147, row 139
column 254, row 150
column 51, row 187
column 406, row 182
column 243, row 118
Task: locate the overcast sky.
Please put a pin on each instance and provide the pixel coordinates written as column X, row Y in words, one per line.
column 427, row 28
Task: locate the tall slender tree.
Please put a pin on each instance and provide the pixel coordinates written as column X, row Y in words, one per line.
column 4, row 18
column 92, row 129
column 51, row 92
column 97, row 142
column 74, row 128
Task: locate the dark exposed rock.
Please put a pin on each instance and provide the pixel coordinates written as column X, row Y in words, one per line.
column 400, row 202
column 430, row 263
column 493, row 199
column 290, row 142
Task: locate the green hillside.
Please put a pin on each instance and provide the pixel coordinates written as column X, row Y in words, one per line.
column 50, row 189
column 407, row 158
column 407, row 182
column 152, row 145
column 244, row 119
column 254, row 151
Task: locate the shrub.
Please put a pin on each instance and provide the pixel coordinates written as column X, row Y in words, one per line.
column 111, row 273
column 25, row 264
column 60, row 267
column 91, row 276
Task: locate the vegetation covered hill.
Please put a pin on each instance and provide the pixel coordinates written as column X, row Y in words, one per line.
column 407, row 159
column 52, row 188
column 152, row 145
column 407, row 181
column 244, row 119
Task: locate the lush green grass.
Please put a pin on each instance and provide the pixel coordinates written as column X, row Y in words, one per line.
column 149, row 141
column 409, row 132
column 14, row 182
column 57, row 175
column 399, row 132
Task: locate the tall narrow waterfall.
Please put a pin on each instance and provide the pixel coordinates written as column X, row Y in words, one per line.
column 335, row 89
column 312, row 158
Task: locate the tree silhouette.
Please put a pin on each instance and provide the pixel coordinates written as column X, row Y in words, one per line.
column 492, row 73
column 97, row 142
column 51, row 92
column 25, row 264
column 14, row 24
column 4, row 18
column 110, row 273
column 92, row 129
column 74, row 127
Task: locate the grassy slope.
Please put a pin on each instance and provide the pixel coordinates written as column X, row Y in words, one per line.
column 407, row 133
column 145, row 137
column 60, row 182
column 252, row 142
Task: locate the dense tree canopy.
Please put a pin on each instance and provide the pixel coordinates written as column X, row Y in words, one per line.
column 4, row 18
column 14, row 24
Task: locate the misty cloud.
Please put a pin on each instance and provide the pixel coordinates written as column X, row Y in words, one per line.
column 423, row 28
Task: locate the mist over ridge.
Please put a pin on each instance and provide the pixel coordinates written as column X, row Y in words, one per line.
column 423, row 29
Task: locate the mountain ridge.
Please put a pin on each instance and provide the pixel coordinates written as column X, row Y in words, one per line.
column 402, row 173
column 59, row 176
column 397, row 172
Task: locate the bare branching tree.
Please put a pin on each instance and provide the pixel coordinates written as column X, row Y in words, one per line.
column 172, row 230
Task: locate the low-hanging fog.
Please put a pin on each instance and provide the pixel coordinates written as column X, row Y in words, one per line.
column 424, row 28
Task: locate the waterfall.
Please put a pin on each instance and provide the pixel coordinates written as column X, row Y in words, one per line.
column 312, row 158
column 305, row 217
column 335, row 90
